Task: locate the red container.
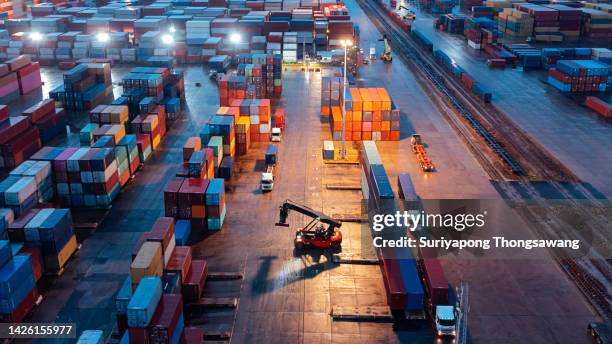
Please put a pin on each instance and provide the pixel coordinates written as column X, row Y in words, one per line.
column 4, row 113
column 194, row 286
column 180, row 262
column 392, row 278
column 13, row 127
column 193, row 335
column 37, row 263
column 602, row 108
column 162, row 231
column 166, row 317
column 22, row 310
column 171, row 193
column 15, row 229
column 435, row 281
column 40, row 110
column 192, row 193
column 139, row 335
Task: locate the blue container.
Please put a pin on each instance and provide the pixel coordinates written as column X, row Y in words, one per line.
column 13, row 273
column 195, row 164
column 380, row 182
column 10, row 303
column 271, row 154
column 412, row 283
column 5, row 252
column 215, row 191
column 226, row 169
column 124, row 296
column 91, row 337
column 205, row 133
column 182, row 230
column 178, row 330
column 215, row 224
column 104, row 141
column 144, row 302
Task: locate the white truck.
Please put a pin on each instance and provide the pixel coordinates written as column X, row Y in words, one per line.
column 267, row 178
column 276, row 135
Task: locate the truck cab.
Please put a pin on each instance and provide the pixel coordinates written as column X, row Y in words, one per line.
column 276, row 135
column 445, row 321
column 267, row 179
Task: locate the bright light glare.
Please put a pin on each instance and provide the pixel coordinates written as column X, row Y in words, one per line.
column 103, row 37
column 36, row 36
column 172, row 29
column 346, row 43
column 167, row 39
column 235, row 38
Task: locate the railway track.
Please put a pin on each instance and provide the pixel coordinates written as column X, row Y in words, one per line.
column 505, row 151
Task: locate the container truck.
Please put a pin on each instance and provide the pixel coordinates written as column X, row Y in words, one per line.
column 267, row 178
column 442, row 314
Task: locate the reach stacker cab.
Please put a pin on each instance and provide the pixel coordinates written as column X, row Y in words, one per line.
column 276, row 135
column 321, row 232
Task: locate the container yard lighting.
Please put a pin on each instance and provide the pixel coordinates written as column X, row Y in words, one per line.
column 235, row 38
column 172, row 29
column 36, row 36
column 345, row 44
column 103, row 37
column 167, row 39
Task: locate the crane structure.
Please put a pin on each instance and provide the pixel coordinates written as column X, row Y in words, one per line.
column 321, row 232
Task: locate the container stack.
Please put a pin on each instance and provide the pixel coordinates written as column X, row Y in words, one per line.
column 164, row 86
column 85, row 86
column 596, row 23
column 374, row 180
column 28, row 73
column 243, row 135
column 51, row 231
column 330, row 93
column 41, row 172
column 49, row 120
column 258, row 111
column 569, row 20
column 17, row 285
column 599, row 106
column 263, row 72
column 109, row 114
column 19, row 139
column 215, row 204
column 369, row 115
column 546, row 22
column 18, row 193
column 579, row 76
column 515, row 23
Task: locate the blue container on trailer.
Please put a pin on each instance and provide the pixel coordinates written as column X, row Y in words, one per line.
column 124, row 295
column 173, row 105
column 182, row 230
column 382, row 186
column 412, row 283
column 271, row 154
column 13, row 273
column 144, row 302
column 214, row 191
column 5, row 252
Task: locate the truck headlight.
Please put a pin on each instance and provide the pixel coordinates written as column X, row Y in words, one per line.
column 439, row 333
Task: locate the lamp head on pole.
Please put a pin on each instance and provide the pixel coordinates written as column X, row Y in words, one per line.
column 235, row 38
column 36, row 36
column 346, row 43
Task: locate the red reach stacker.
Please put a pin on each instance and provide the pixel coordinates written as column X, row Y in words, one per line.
column 321, row 232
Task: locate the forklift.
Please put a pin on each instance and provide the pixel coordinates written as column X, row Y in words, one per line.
column 321, row 232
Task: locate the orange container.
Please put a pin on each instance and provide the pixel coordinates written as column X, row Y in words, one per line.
column 357, row 102
column 376, row 116
column 348, row 136
column 366, row 99
column 385, row 125
column 366, row 135
column 357, row 115
column 357, row 135
column 385, row 99
column 376, row 103
column 394, row 135
column 356, row 126
column 375, row 126
column 324, row 111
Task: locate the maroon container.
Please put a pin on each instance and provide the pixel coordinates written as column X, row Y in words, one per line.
column 4, row 113
column 13, row 127
column 180, row 262
column 15, row 229
column 193, row 335
column 194, row 286
column 139, row 335
column 162, row 231
column 394, row 286
column 37, row 263
column 166, row 317
column 40, row 110
column 22, row 310
column 171, row 196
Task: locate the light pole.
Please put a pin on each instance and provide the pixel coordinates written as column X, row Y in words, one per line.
column 345, row 44
column 168, row 40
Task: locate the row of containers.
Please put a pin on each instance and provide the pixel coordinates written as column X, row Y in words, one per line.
column 18, row 76
column 36, row 243
column 257, row 76
column 164, row 277
column 198, row 33
column 466, row 79
column 369, row 113
column 22, row 136
column 42, row 239
column 581, row 76
column 414, row 285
